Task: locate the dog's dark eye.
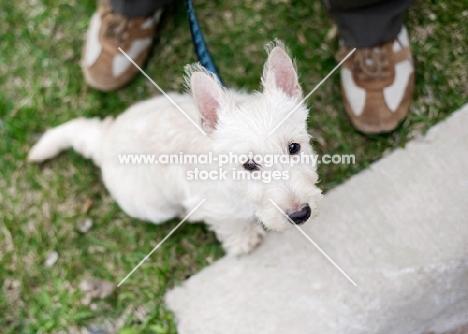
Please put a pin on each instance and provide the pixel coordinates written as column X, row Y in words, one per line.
column 294, row 148
column 250, row 166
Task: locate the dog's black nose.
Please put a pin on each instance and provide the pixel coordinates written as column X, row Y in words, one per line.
column 300, row 217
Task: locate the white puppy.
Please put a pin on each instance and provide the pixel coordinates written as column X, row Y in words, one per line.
column 236, row 124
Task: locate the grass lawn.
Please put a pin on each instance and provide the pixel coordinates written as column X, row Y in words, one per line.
column 41, row 207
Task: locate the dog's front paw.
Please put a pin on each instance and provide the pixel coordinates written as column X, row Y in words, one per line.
column 244, row 243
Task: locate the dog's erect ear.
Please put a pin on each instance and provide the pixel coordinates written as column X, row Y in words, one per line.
column 208, row 96
column 280, row 73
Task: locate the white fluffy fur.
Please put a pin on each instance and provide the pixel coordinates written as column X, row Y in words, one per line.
column 233, row 209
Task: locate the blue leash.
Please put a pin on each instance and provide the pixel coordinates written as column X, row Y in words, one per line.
column 201, row 49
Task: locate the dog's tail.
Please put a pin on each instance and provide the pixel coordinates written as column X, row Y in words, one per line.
column 83, row 134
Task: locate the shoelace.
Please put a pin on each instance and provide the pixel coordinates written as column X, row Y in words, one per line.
column 370, row 63
column 116, row 29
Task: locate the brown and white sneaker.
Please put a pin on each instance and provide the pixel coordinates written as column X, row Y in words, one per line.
column 104, row 66
column 377, row 84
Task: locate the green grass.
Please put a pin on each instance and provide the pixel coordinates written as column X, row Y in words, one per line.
column 42, row 86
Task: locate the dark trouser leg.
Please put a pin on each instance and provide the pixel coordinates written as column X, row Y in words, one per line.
column 368, row 23
column 135, row 8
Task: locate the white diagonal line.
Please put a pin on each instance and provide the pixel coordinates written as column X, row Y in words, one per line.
column 157, row 246
column 164, row 93
column 313, row 243
column 312, row 91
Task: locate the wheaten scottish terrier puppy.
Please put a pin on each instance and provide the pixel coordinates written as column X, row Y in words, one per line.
column 237, row 209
